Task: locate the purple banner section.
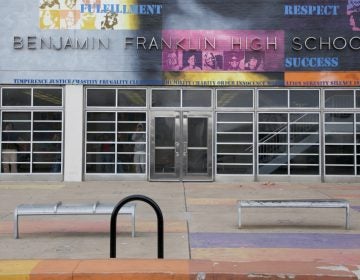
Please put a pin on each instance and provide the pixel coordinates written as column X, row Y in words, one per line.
column 223, row 50
column 356, row 208
column 275, row 240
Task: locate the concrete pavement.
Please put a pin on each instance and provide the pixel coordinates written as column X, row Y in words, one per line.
column 200, row 223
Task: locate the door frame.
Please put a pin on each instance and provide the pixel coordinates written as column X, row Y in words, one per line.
column 181, row 137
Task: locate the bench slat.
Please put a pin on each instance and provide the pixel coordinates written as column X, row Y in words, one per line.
column 296, row 203
column 71, row 209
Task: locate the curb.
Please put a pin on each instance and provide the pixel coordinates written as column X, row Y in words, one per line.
column 170, row 269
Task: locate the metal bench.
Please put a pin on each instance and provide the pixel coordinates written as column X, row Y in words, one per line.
column 296, row 203
column 71, row 209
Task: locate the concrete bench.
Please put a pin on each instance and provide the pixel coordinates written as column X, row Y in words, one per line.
column 296, row 203
column 71, row 209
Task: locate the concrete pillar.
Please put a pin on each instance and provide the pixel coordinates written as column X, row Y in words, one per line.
column 73, row 133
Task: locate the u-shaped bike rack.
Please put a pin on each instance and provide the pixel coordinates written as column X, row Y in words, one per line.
column 160, row 223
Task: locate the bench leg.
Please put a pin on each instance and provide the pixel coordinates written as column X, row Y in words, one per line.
column 347, row 217
column 239, row 217
column 133, row 225
column 16, row 225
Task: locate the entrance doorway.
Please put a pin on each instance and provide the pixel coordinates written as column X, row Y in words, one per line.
column 181, row 146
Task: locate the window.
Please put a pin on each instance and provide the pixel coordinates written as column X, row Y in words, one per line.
column 196, row 98
column 165, row 98
column 234, row 143
column 339, row 144
column 31, row 139
column 16, row 97
column 273, row 143
column 273, row 98
column 288, row 143
column 236, row 98
column 101, row 97
column 304, row 98
column 131, row 97
column 339, row 99
column 116, row 142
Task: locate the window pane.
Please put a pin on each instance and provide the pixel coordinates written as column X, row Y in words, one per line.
column 165, row 161
column 101, row 137
column 197, row 161
column 16, row 97
column 273, row 127
column 234, row 159
column 234, row 169
column 234, row 117
column 125, row 117
column 272, row 149
column 339, row 149
column 16, row 116
column 273, row 169
column 100, row 117
column 46, row 156
column 339, row 99
column 339, row 159
column 304, row 138
column 101, row 97
column 100, row 168
column 269, row 117
column 304, row 159
column 296, row 127
column 46, row 168
column 273, row 159
column 235, row 98
column 100, row 126
column 304, row 98
column 339, row 117
column 233, row 148
column 48, row 116
column 196, row 98
column 235, row 127
column 339, row 170
column 164, row 132
column 273, row 138
column 47, row 97
column 358, row 98
column 339, row 138
column 306, row 149
column 47, row 126
column 304, row 117
column 273, row 98
column 241, row 138
column 165, row 98
column 132, row 98
column 339, row 127
column 304, row 170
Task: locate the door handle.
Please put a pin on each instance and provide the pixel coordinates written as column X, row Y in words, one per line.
column 185, row 148
column 177, row 146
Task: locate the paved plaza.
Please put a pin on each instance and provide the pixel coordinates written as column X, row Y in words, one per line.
column 200, row 221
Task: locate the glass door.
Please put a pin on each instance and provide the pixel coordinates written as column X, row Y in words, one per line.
column 181, row 146
column 165, row 146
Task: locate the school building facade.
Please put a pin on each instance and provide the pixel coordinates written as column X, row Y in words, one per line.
column 180, row 90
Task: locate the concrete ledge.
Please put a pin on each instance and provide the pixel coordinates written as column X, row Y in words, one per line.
column 170, row 269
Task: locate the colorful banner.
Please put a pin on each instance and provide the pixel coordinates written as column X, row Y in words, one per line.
column 93, row 14
column 223, row 50
column 176, row 42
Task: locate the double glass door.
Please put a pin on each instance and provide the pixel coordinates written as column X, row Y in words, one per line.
column 181, row 146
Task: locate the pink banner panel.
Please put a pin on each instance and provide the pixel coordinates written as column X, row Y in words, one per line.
column 223, row 50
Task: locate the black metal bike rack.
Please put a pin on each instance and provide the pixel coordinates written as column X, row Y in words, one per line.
column 160, row 223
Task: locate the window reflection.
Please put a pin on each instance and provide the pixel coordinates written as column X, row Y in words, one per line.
column 116, row 143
